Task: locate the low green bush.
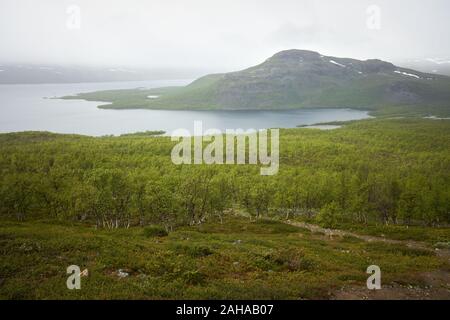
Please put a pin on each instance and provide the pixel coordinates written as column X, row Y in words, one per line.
column 291, row 260
column 155, row 231
column 195, row 251
column 193, row 277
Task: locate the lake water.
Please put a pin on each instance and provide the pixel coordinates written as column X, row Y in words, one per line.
column 27, row 107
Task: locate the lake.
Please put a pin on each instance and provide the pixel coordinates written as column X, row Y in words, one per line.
column 28, row 107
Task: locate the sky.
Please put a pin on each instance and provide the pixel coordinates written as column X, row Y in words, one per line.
column 217, row 35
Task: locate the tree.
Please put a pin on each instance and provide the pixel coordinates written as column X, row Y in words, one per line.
column 329, row 215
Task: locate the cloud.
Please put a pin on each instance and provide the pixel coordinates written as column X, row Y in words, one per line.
column 222, row 34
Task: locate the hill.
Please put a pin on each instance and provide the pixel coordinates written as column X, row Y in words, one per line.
column 294, row 79
column 46, row 74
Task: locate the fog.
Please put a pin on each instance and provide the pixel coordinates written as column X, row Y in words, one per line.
column 217, row 35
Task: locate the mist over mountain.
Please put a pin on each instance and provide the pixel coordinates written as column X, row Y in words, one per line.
column 429, row 65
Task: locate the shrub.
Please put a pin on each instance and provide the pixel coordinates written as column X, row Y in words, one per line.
column 275, row 227
column 155, row 231
column 193, row 277
column 291, row 260
column 195, row 251
column 329, row 215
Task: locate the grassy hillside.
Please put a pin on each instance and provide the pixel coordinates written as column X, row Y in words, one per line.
column 237, row 259
column 147, row 229
column 297, row 79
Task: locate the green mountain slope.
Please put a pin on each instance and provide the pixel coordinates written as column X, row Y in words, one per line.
column 294, row 79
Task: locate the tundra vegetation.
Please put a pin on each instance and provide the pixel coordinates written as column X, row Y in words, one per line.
column 215, row 231
column 374, row 171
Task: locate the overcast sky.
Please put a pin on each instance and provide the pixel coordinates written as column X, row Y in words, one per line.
column 221, row 35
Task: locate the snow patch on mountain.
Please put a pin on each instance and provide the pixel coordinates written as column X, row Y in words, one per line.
column 337, row 63
column 407, row 74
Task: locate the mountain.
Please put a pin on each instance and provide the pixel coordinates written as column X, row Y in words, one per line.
column 294, row 79
column 429, row 65
column 34, row 74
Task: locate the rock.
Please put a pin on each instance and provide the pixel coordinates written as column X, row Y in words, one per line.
column 122, row 274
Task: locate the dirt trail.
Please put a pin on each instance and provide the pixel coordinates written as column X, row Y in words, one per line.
column 341, row 233
column 436, row 283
